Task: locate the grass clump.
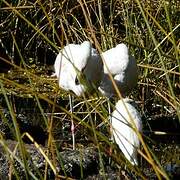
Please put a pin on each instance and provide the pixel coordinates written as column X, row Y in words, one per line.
column 31, row 35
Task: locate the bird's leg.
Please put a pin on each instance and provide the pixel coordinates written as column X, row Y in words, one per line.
column 111, row 130
column 72, row 122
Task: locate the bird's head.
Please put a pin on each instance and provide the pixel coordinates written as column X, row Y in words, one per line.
column 81, row 83
column 79, row 90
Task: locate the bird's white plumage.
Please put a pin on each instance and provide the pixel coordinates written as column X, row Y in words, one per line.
column 75, row 60
column 122, row 67
column 123, row 128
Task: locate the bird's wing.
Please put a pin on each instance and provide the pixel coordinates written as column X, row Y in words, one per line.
column 116, row 59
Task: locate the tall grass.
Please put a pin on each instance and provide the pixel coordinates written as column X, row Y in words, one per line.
column 150, row 29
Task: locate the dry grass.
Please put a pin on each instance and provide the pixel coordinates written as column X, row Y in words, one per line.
column 31, row 31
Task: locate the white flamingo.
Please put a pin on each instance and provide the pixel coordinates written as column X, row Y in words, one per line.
column 79, row 69
column 123, row 68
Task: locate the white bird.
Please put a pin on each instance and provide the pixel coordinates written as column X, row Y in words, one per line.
column 125, row 119
column 122, row 67
column 79, row 68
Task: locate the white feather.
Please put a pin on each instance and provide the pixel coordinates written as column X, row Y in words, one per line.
column 76, row 59
column 124, row 131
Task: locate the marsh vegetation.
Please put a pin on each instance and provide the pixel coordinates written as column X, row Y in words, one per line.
column 35, row 133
